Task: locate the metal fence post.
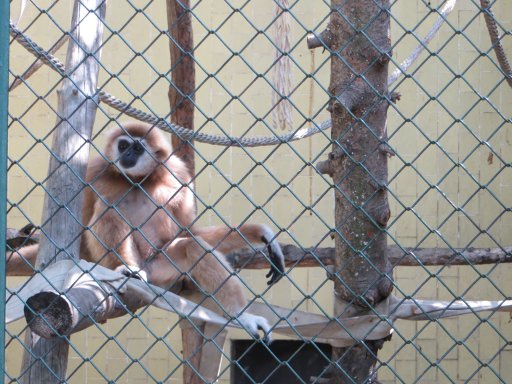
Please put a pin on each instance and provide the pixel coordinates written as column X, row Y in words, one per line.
column 4, row 76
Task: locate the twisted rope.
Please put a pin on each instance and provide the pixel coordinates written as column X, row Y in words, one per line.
column 182, row 132
column 187, row 134
column 282, row 111
column 492, row 27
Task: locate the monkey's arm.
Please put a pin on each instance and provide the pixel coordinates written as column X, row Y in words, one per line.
column 226, row 240
column 22, row 261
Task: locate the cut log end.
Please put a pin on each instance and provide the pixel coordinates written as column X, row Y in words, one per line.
column 48, row 314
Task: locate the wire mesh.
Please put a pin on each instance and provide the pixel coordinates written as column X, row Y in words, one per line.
column 449, row 182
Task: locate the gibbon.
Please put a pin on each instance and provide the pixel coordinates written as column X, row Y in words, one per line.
column 139, row 211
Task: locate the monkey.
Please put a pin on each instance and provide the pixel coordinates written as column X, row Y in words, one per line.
column 139, row 218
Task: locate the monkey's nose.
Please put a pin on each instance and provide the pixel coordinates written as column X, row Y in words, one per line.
column 129, row 159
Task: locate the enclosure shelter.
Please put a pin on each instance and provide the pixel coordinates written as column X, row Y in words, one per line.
column 250, row 78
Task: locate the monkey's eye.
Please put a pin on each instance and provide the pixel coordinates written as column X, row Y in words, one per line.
column 123, row 145
column 138, row 148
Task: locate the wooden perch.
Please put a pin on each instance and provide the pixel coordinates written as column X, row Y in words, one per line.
column 49, row 314
column 315, row 257
column 410, row 257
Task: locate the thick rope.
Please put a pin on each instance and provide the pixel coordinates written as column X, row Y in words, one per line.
column 492, row 27
column 187, row 134
column 282, row 111
column 182, row 132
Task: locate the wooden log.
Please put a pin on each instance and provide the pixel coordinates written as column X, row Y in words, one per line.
column 50, row 315
column 45, row 361
column 183, row 85
column 310, row 257
column 298, row 257
column 181, row 101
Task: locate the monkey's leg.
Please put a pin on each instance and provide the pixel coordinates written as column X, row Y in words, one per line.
column 22, row 261
column 226, row 240
column 110, row 243
column 207, row 268
column 210, row 270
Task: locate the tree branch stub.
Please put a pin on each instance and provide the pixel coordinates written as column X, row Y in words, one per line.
column 324, row 39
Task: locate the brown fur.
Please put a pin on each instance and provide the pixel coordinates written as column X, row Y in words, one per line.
column 150, row 226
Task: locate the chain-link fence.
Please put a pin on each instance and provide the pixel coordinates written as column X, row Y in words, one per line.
column 151, row 268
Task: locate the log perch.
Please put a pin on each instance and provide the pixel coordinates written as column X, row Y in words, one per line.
column 49, row 314
column 408, row 257
column 316, row 257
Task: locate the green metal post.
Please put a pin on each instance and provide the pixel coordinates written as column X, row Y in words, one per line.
column 4, row 78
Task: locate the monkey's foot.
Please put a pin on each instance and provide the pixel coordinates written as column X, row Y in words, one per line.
column 131, row 271
column 253, row 324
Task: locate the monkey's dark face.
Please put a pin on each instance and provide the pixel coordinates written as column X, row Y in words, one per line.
column 133, row 156
column 130, row 152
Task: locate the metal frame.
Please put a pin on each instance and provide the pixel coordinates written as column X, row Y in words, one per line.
column 4, row 78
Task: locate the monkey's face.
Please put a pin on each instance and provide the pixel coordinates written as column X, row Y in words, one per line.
column 133, row 156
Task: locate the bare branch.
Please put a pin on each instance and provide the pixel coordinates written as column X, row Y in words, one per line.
column 410, row 257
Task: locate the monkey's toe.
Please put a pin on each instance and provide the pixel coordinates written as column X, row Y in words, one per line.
column 254, row 324
column 133, row 272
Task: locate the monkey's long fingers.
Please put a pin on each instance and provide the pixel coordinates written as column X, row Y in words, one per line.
column 277, row 261
column 253, row 324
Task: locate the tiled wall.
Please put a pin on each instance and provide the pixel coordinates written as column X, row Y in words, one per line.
column 439, row 122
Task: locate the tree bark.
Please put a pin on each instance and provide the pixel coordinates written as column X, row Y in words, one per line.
column 298, row 257
column 183, row 78
column 181, row 100
column 407, row 257
column 360, row 47
column 45, row 361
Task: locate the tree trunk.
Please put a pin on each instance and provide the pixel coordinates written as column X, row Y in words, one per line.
column 45, row 361
column 181, row 102
column 183, row 77
column 358, row 38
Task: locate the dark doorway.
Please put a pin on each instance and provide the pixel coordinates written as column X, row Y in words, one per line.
column 283, row 362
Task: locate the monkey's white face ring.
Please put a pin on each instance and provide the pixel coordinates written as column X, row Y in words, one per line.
column 133, row 156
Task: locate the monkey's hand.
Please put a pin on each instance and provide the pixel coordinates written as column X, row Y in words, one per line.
column 132, row 271
column 276, row 257
column 253, row 324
